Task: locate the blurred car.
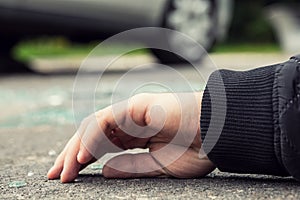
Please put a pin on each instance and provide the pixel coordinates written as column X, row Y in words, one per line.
column 206, row 21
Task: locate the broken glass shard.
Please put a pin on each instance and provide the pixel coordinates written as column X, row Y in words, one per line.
column 97, row 167
column 17, row 184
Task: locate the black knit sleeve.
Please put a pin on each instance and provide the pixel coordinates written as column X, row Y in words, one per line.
column 246, row 141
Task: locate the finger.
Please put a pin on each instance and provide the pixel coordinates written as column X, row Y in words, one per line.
column 92, row 144
column 56, row 169
column 137, row 109
column 88, row 142
column 58, row 166
column 98, row 137
column 132, row 166
column 181, row 162
column 71, row 167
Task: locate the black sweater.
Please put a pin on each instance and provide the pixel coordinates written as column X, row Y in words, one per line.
column 251, row 130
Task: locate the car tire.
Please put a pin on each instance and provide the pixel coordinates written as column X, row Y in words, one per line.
column 195, row 18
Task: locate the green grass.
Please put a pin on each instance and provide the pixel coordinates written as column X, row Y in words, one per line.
column 56, row 47
column 59, row 46
column 246, row 47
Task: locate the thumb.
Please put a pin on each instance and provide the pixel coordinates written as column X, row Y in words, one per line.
column 132, row 166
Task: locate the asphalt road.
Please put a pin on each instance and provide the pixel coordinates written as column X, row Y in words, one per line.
column 37, row 119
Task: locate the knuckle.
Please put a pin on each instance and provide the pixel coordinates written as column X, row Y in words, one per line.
column 147, row 118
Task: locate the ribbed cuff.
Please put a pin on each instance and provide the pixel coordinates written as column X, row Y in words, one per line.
column 246, row 142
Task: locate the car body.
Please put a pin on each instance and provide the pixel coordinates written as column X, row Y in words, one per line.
column 204, row 20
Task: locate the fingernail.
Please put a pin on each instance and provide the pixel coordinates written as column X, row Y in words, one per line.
column 49, row 176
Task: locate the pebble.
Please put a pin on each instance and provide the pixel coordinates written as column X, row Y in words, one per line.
column 52, row 153
column 30, row 173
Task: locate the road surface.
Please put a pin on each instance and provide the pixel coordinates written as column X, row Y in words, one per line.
column 37, row 119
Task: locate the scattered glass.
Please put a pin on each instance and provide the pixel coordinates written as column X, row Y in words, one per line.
column 52, row 153
column 97, row 167
column 30, row 173
column 17, row 184
column 77, row 180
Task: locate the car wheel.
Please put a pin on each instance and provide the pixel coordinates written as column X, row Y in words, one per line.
column 195, row 18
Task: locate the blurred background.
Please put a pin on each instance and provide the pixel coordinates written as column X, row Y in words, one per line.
column 37, row 33
column 43, row 43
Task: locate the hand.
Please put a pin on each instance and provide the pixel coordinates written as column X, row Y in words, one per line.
column 168, row 124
